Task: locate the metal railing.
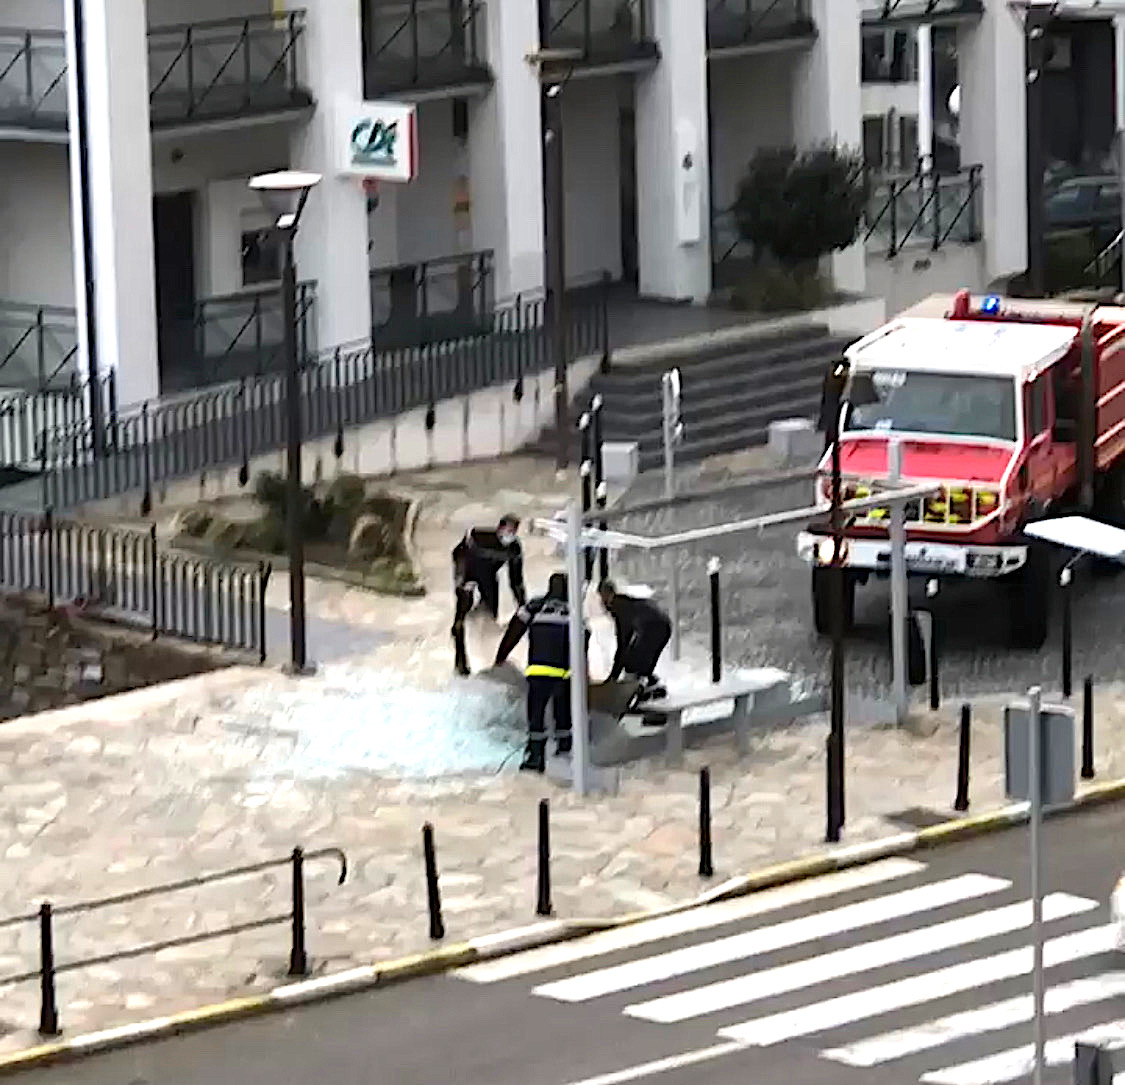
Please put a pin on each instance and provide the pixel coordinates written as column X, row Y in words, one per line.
column 38, row 345
column 49, row 967
column 240, row 335
column 731, row 23
column 1106, row 265
column 914, row 11
column 226, row 67
column 33, row 90
column 922, row 208
column 232, row 423
column 126, row 576
column 603, row 31
column 423, row 43
column 450, row 298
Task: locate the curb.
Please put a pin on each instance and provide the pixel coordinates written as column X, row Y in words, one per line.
column 548, row 932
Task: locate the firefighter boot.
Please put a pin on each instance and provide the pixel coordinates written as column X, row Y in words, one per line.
column 563, row 744
column 534, row 757
column 460, row 654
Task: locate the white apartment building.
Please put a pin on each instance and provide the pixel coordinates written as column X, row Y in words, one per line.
column 187, row 99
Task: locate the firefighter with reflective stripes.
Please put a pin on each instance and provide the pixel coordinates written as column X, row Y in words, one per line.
column 546, row 620
column 477, row 561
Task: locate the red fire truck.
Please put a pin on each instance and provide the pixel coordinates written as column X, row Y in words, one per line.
column 1016, row 407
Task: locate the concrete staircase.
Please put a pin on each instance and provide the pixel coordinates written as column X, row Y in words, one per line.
column 731, row 392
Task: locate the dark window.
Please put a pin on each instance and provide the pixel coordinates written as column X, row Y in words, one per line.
column 261, row 258
column 1037, row 407
column 873, row 152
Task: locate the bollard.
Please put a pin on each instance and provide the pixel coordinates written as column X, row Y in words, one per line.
column 1067, row 634
column 48, row 1009
column 832, row 789
column 961, row 802
column 433, row 893
column 298, row 957
column 543, row 889
column 1088, row 728
column 706, row 869
column 713, row 567
column 935, row 687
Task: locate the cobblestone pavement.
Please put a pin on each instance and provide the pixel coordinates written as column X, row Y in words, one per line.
column 240, row 766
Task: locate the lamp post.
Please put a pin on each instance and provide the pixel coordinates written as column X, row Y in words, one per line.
column 285, row 195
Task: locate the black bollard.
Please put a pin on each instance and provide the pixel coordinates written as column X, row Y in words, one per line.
column 832, row 798
column 543, row 889
column 298, row 957
column 48, row 1008
column 1088, row 728
column 716, row 622
column 1067, row 635
column 961, row 802
column 433, row 893
column 706, row 869
column 935, row 686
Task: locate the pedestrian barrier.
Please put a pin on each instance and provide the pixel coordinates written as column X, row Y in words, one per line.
column 543, row 881
column 961, row 802
column 149, row 444
column 706, row 867
column 125, row 575
column 1088, row 728
column 50, row 968
column 433, row 890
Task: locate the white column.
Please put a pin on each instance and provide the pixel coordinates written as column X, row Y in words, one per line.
column 673, row 133
column 120, row 163
column 506, row 152
column 925, row 42
column 993, row 116
column 332, row 236
column 828, row 106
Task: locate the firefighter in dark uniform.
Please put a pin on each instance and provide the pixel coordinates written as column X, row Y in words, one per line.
column 643, row 631
column 546, row 620
column 477, row 561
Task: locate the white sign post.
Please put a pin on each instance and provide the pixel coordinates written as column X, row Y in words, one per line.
column 899, row 598
column 1035, row 816
column 673, row 433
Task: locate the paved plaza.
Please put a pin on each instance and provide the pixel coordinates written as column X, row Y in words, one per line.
column 241, row 765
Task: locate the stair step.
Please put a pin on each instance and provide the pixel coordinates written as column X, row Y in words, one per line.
column 694, row 354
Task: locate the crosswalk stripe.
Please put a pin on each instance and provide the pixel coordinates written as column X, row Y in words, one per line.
column 1017, row 1061
column 918, row 989
column 695, row 919
column 992, row 1018
column 753, row 943
column 864, row 957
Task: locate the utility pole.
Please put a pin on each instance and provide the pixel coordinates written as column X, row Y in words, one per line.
column 554, row 199
column 1035, row 33
column 835, row 751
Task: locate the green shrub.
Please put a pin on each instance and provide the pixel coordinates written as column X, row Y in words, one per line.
column 774, row 289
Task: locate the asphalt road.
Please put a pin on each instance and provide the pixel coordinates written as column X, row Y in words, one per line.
column 781, row 987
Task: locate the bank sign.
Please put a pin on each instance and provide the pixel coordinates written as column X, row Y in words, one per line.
column 380, row 140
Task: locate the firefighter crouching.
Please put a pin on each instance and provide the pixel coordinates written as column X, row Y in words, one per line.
column 643, row 631
column 546, row 620
column 477, row 561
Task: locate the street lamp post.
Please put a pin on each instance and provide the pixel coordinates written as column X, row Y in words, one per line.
column 285, row 194
column 835, row 758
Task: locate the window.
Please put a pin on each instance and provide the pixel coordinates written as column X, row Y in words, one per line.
column 1036, row 407
column 937, row 403
column 261, row 258
column 873, row 145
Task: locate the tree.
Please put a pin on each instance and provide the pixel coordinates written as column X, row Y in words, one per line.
column 801, row 205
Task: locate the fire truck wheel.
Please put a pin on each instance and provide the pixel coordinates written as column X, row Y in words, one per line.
column 822, row 598
column 1029, row 595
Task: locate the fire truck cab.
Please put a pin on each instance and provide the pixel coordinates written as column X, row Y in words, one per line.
column 1017, row 409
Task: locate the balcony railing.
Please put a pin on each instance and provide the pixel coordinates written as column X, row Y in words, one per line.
column 227, row 68
column 911, row 12
column 38, row 346
column 423, row 45
column 435, row 301
column 923, row 208
column 232, row 336
column 735, row 23
column 602, row 31
column 201, row 71
column 33, row 91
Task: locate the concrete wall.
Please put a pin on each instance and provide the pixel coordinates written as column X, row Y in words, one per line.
column 751, row 108
column 190, row 163
column 592, row 175
column 880, row 98
column 35, row 231
column 32, row 14
column 916, row 273
column 481, row 426
column 177, row 12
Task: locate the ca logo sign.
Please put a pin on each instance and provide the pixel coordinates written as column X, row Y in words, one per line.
column 373, row 142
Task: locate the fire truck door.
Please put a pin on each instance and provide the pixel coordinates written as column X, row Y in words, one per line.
column 1041, row 461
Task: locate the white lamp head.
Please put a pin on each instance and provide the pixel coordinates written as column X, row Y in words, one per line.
column 284, row 193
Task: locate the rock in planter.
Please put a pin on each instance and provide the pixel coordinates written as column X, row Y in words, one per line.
column 373, row 537
column 226, row 535
column 394, row 577
column 194, row 523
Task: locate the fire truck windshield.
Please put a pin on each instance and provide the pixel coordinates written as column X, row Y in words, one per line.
column 910, row 401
